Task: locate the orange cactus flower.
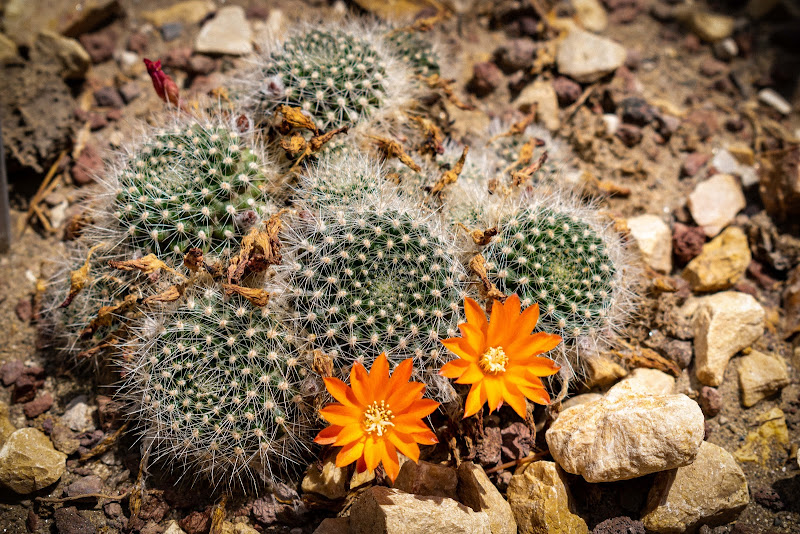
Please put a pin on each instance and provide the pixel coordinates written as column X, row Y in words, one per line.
column 376, row 417
column 500, row 357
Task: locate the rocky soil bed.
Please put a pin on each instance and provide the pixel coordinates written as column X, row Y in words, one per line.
column 684, row 124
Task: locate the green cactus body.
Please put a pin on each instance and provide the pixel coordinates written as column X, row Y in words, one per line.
column 218, row 388
column 335, row 76
column 416, row 51
column 371, row 279
column 198, row 186
column 557, row 260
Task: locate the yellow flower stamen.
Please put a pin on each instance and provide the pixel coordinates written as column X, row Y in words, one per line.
column 493, row 361
column 377, row 418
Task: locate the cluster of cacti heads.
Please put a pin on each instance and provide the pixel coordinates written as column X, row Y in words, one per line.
column 369, row 257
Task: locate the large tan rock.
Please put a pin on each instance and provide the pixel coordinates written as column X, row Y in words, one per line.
column 761, row 375
column 477, row 491
column 330, row 481
column 382, row 510
column 711, row 491
column 28, row 461
column 715, row 202
column 724, row 324
column 542, row 503
column 654, row 241
column 721, row 264
column 618, row 438
column 645, row 381
column 71, row 57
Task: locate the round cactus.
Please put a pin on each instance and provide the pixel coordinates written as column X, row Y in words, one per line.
column 342, row 179
column 339, row 76
column 216, row 387
column 201, row 184
column 374, row 277
column 560, row 255
column 416, row 51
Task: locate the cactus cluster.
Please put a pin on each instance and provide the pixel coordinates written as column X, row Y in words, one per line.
column 199, row 185
column 374, row 277
column 366, row 259
column 217, row 383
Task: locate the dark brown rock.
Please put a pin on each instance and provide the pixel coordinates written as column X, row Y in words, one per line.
column 567, row 91
column 687, row 242
column 636, row 111
column 130, row 91
column 137, row 42
column 712, row 67
column 88, row 165
column 25, row 388
column 678, row 351
column 100, row 45
column 629, row 134
column 779, row 183
column 490, row 447
column 85, row 486
column 178, row 58
column 24, row 309
column 768, row 498
column 619, row 525
column 710, row 401
column 38, row 406
column 202, row 65
column 517, row 55
column 10, row 371
column 693, row 163
column 425, row 478
column 70, row 521
column 108, row 97
column 486, row 77
column 791, row 303
column 517, row 441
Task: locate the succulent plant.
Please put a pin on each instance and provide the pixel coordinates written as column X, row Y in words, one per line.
column 216, row 387
column 342, row 179
column 374, row 276
column 340, row 76
column 558, row 253
column 198, row 184
column 415, row 50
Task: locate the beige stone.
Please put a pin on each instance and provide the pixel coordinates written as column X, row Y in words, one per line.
column 227, row 33
column 715, row 202
column 190, row 12
column 8, row 48
column 627, row 437
column 334, row 525
column 174, row 528
column 711, row 491
column 654, row 240
column 542, row 503
column 6, row 428
column 68, row 53
column 579, row 400
column 330, row 482
column 382, row 510
column 644, row 381
column 709, row 26
column 761, row 375
column 541, row 95
column 477, row 491
column 426, row 478
column 28, row 461
column 724, row 324
column 586, row 57
column 243, row 528
column 361, row 479
column 769, row 440
column 591, row 14
column 721, row 264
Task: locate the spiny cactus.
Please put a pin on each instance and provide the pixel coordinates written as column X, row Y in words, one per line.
column 555, row 252
column 372, row 277
column 415, row 50
column 339, row 76
column 216, row 386
column 342, row 179
column 199, row 184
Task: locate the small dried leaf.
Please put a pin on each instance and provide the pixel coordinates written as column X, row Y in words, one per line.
column 106, row 314
column 450, row 176
column 79, row 278
column 480, row 237
column 294, row 146
column 193, row 260
column 146, row 265
column 605, row 187
column 318, row 141
column 90, row 353
column 218, row 516
column 322, row 364
column 257, row 297
column 295, row 118
column 171, row 294
column 393, row 149
column 260, row 248
column 434, row 139
column 478, row 265
column 644, row 357
column 518, row 128
column 520, row 177
column 434, row 81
